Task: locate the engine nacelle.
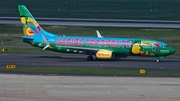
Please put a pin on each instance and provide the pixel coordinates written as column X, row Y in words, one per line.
column 104, row 54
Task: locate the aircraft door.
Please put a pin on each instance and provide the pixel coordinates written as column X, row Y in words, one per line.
column 153, row 48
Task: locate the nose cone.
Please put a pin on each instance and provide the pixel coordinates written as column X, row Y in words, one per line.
column 172, row 50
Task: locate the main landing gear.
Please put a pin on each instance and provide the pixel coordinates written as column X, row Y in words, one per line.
column 90, row 58
column 162, row 57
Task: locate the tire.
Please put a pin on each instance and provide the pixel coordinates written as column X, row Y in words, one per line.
column 90, row 58
column 113, row 56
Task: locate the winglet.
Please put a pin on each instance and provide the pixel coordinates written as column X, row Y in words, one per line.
column 98, row 34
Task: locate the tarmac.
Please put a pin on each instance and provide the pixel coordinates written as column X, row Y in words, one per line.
column 79, row 61
column 15, row 87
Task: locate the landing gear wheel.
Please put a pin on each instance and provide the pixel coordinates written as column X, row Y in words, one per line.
column 158, row 60
column 90, row 58
column 113, row 56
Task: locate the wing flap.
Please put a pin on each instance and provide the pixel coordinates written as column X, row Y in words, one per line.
column 82, row 49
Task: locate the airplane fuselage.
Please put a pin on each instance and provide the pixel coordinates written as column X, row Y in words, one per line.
column 120, row 46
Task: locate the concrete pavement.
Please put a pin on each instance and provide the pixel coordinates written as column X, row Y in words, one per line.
column 77, row 88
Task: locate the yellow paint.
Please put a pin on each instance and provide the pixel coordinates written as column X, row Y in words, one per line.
column 23, row 20
column 34, row 22
column 10, row 66
column 27, row 31
column 146, row 42
column 136, row 48
column 104, row 54
column 50, row 47
column 4, row 49
column 142, row 71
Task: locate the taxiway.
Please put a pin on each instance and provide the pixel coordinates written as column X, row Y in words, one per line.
column 79, row 61
column 97, row 22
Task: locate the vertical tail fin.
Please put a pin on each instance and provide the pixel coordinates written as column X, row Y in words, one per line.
column 29, row 24
column 33, row 33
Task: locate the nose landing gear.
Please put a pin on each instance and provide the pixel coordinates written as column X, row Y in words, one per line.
column 162, row 57
column 158, row 60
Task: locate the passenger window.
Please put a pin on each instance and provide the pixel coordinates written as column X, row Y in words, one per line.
column 162, row 46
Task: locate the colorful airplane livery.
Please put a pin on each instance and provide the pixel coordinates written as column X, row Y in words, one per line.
column 95, row 47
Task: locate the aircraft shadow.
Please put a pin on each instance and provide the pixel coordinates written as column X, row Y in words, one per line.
column 148, row 60
column 63, row 59
column 80, row 59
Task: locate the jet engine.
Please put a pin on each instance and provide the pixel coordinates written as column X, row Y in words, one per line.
column 104, row 54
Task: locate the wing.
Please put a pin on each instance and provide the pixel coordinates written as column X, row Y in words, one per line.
column 80, row 49
column 72, row 48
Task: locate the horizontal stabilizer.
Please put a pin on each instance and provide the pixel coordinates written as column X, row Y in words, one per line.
column 27, row 39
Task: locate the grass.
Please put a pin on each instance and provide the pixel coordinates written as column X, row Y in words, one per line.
column 15, row 45
column 87, row 71
column 98, row 9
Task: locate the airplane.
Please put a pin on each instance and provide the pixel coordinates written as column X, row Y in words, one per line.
column 95, row 47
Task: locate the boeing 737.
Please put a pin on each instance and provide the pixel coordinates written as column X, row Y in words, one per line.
column 95, row 47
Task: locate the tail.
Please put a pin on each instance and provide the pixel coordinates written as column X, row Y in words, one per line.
column 31, row 29
column 29, row 24
column 33, row 33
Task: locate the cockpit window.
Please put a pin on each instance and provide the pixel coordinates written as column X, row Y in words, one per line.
column 164, row 46
column 167, row 46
